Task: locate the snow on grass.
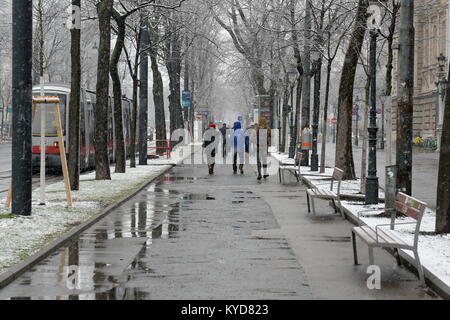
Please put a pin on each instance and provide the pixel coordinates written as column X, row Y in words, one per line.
column 20, row 237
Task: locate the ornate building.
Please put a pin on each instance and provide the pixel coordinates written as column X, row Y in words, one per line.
column 432, row 25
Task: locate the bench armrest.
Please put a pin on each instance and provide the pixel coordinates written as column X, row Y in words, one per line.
column 390, row 225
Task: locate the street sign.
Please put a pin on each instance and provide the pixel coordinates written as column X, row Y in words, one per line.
column 332, row 121
column 186, row 98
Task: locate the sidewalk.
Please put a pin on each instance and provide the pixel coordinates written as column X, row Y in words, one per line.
column 425, row 171
column 22, row 237
column 434, row 250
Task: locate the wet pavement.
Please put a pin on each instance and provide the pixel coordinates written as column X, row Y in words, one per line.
column 193, row 236
column 182, row 238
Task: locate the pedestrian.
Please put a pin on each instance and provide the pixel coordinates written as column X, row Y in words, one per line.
column 240, row 146
column 223, row 131
column 210, row 138
column 263, row 140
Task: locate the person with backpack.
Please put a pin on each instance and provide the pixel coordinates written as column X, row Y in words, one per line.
column 240, row 145
column 223, row 131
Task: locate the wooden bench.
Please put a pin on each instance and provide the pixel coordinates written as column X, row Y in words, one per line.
column 293, row 168
column 324, row 194
column 384, row 237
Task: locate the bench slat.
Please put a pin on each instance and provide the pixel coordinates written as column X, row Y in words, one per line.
column 369, row 235
column 406, row 210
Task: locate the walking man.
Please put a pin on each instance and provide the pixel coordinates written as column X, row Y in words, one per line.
column 240, row 142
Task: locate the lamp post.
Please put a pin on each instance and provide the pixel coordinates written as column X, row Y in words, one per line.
column 292, row 75
column 372, row 183
column 442, row 90
column 315, row 59
column 383, row 98
column 357, row 118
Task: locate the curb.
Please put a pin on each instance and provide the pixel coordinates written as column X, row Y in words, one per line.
column 16, row 271
column 432, row 281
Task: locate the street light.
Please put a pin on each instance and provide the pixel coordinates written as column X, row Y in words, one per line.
column 442, row 90
column 315, row 59
column 292, row 75
column 372, row 182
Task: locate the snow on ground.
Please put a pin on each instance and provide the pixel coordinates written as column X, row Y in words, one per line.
column 322, row 180
column 434, row 250
column 21, row 237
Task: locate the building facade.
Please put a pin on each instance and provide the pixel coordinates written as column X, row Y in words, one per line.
column 432, row 23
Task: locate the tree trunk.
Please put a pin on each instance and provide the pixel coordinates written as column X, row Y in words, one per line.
column 365, row 138
column 306, row 105
column 325, row 119
column 74, row 112
column 443, row 192
column 133, row 125
column 143, row 96
column 405, row 98
column 284, row 124
column 344, row 149
column 158, row 89
column 117, row 90
column 104, row 10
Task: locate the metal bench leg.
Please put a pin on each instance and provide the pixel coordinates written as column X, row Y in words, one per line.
column 279, row 174
column 355, row 250
column 420, row 269
column 397, row 256
column 313, row 206
column 371, row 256
column 334, row 205
column 309, row 203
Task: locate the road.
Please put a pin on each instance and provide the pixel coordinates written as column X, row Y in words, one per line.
column 195, row 236
column 5, row 172
column 5, row 167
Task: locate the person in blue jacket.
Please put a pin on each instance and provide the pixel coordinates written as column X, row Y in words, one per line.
column 240, row 145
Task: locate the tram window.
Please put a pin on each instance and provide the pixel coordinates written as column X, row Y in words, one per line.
column 50, row 118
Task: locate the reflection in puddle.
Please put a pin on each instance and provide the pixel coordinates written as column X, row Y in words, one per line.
column 109, row 259
column 98, row 264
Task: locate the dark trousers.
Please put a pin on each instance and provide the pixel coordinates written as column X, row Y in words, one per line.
column 235, row 161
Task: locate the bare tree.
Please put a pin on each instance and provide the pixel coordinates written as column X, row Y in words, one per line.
column 74, row 109
column 104, row 11
column 344, row 154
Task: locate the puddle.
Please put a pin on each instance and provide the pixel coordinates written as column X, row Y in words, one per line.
column 197, row 197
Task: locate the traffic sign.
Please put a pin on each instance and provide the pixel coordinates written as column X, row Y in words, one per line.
column 186, row 98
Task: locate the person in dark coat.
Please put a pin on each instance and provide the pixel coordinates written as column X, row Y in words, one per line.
column 240, row 147
column 223, row 131
column 211, row 157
